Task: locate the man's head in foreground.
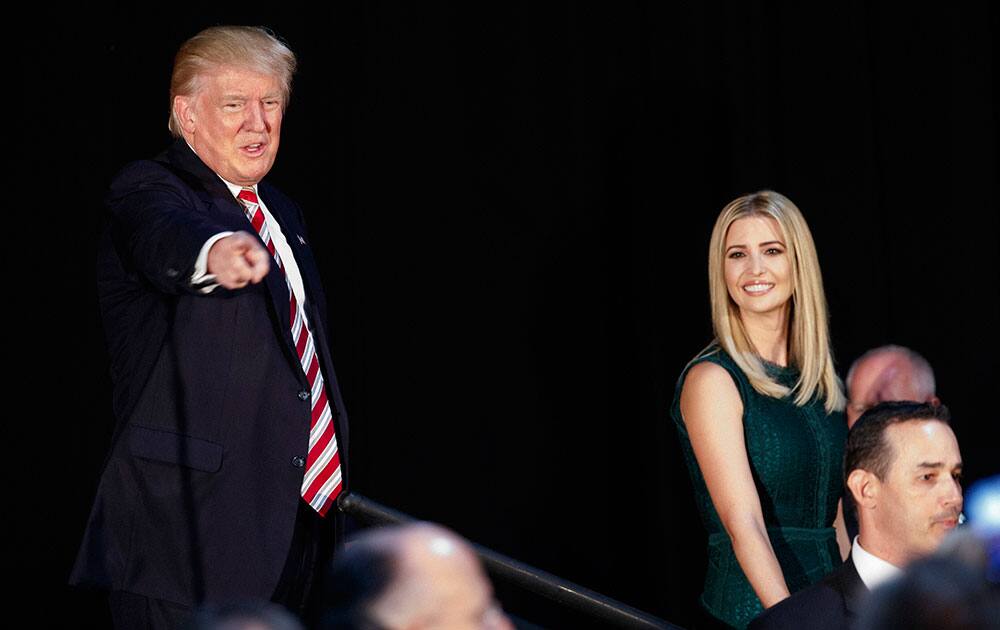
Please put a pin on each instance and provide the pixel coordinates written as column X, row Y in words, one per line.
column 419, row 576
column 242, row 616
column 903, row 468
column 949, row 590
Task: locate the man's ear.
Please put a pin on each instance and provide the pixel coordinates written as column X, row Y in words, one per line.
column 184, row 112
column 864, row 487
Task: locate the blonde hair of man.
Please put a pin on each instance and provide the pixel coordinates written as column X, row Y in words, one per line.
column 246, row 47
column 809, row 345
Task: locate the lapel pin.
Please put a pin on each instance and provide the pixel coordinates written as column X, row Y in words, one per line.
column 301, row 240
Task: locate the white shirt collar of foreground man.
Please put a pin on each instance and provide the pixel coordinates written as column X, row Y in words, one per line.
column 872, row 570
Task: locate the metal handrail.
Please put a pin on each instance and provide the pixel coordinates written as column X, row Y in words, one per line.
column 535, row 580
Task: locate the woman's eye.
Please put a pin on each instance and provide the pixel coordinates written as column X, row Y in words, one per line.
column 774, row 251
column 736, row 254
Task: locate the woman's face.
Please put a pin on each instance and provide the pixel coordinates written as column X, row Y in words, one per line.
column 758, row 272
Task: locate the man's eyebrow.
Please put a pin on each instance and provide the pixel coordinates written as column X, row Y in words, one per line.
column 244, row 97
column 938, row 465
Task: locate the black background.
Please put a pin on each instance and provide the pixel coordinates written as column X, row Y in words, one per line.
column 511, row 205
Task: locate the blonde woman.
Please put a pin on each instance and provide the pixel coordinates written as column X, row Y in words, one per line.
column 760, row 414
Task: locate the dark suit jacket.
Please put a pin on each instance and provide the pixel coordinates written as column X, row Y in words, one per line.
column 830, row 604
column 199, row 494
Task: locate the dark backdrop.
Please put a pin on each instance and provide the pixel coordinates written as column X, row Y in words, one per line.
column 511, row 206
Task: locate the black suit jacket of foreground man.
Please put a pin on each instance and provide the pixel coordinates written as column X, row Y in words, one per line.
column 832, row 603
column 199, row 495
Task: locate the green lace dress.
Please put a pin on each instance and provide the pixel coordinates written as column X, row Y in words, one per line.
column 796, row 457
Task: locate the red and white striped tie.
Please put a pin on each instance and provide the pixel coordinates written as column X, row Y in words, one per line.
column 322, row 481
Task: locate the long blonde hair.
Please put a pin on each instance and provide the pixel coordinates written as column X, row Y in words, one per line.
column 808, row 335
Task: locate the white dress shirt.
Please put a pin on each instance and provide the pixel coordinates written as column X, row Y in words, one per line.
column 872, row 569
column 201, row 275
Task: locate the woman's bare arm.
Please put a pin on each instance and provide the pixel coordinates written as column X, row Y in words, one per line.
column 843, row 542
column 713, row 414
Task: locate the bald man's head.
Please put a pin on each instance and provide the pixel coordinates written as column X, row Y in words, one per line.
column 888, row 373
column 419, row 576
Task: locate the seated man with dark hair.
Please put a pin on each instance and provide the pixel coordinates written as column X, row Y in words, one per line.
column 418, row 577
column 902, row 467
column 884, row 374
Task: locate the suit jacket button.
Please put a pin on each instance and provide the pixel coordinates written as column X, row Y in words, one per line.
column 304, row 395
column 298, row 461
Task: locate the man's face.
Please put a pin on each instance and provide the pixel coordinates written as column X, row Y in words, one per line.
column 884, row 376
column 920, row 499
column 862, row 389
column 233, row 122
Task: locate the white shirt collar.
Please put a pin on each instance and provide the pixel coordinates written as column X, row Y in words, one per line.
column 871, row 569
column 233, row 188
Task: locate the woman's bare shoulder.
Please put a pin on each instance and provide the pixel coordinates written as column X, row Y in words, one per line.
column 708, row 375
column 709, row 392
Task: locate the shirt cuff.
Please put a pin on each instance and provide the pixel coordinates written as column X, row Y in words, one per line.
column 201, row 280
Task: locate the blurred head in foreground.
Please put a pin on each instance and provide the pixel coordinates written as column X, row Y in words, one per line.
column 948, row 590
column 244, row 616
column 418, row 577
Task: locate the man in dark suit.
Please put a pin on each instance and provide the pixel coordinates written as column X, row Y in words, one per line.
column 902, row 466
column 226, row 457
column 880, row 374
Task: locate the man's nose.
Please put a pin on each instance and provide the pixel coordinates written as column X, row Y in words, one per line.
column 255, row 119
column 953, row 494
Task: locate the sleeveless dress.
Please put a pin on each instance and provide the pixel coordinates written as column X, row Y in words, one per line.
column 796, row 455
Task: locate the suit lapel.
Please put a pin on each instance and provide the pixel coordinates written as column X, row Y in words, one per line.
column 216, row 195
column 852, row 588
column 291, row 226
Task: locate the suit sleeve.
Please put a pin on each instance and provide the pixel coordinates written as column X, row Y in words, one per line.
column 159, row 225
column 778, row 617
